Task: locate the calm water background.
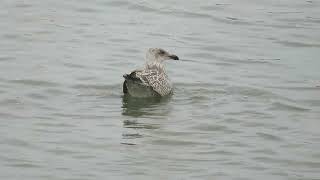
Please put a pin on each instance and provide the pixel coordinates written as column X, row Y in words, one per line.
column 246, row 102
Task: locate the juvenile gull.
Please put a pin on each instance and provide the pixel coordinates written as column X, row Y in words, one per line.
column 152, row 80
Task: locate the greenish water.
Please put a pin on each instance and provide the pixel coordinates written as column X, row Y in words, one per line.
column 246, row 103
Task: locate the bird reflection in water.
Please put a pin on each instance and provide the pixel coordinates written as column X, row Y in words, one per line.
column 152, row 107
column 142, row 114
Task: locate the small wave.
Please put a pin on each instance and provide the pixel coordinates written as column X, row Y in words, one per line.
column 31, row 82
column 252, row 92
column 7, row 58
column 137, row 125
column 280, row 106
column 10, row 116
column 298, row 44
column 296, row 88
column 271, row 137
column 96, row 86
column 214, row 128
column 46, row 124
column 117, row 3
column 18, row 142
column 37, row 96
column 87, row 10
column 24, row 165
column 72, row 65
column 131, row 135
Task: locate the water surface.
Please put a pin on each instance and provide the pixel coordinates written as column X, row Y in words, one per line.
column 246, row 103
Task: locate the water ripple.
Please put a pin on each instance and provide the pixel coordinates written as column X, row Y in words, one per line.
column 31, row 82
column 245, row 103
column 279, row 106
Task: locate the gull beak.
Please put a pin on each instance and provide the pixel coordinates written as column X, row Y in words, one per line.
column 174, row 57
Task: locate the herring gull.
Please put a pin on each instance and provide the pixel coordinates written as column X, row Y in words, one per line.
column 152, row 80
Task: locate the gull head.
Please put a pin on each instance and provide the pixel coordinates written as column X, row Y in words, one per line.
column 159, row 55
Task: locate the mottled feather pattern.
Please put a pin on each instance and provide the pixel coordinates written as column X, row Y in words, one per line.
column 152, row 80
column 157, row 79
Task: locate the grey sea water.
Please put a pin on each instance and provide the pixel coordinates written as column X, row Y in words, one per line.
column 246, row 103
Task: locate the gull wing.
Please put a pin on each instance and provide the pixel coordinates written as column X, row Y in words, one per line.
column 156, row 79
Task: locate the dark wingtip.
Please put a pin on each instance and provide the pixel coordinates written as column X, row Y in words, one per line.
column 132, row 77
column 124, row 87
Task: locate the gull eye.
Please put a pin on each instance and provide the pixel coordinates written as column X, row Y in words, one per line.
column 161, row 52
